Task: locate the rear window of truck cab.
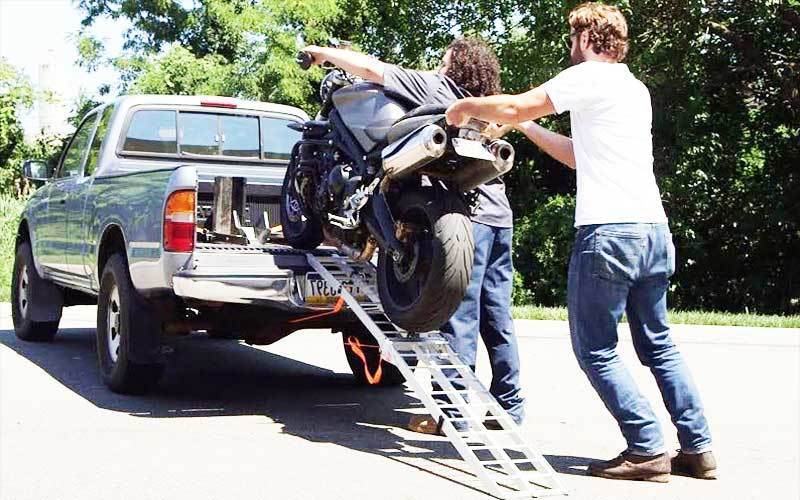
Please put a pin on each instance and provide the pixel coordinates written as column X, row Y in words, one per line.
column 198, row 134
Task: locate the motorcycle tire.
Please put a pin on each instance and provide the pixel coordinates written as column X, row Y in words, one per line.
column 422, row 292
column 304, row 230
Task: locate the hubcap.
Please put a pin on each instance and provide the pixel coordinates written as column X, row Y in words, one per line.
column 22, row 293
column 112, row 328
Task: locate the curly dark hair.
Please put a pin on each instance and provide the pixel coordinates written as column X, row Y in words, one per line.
column 606, row 25
column 474, row 66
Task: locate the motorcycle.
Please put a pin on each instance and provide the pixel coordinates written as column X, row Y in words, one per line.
column 370, row 173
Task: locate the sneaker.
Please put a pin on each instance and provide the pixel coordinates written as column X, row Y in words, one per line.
column 633, row 467
column 699, row 465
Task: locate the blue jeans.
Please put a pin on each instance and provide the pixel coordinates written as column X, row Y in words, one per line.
column 486, row 310
column 625, row 268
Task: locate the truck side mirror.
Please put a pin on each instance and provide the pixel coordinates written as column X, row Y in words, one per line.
column 37, row 170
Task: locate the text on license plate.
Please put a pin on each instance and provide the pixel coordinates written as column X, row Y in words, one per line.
column 319, row 292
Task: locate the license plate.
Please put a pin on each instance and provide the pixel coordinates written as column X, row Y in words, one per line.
column 472, row 149
column 318, row 291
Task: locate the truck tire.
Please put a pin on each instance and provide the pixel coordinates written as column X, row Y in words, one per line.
column 32, row 297
column 390, row 376
column 301, row 228
column 422, row 293
column 121, row 315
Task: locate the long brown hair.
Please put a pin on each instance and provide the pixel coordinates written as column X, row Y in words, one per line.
column 474, row 66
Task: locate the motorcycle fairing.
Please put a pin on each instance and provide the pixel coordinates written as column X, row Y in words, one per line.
column 368, row 111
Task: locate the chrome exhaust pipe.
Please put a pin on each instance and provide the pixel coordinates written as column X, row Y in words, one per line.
column 472, row 174
column 417, row 149
column 504, row 156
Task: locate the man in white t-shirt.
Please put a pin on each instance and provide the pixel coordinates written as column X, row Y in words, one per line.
column 623, row 254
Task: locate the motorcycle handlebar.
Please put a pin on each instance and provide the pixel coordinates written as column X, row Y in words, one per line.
column 304, row 60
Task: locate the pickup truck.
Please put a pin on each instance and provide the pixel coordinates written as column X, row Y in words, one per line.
column 122, row 221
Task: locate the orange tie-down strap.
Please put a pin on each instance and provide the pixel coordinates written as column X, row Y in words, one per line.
column 336, row 310
column 352, row 342
column 356, row 347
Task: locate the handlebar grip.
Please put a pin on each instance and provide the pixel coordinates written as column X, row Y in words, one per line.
column 304, row 60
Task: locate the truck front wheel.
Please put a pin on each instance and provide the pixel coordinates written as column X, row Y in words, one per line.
column 35, row 303
column 122, row 317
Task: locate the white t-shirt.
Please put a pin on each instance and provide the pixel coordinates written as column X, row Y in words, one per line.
column 611, row 117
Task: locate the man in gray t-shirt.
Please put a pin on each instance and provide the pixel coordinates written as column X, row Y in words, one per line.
column 469, row 68
column 420, row 88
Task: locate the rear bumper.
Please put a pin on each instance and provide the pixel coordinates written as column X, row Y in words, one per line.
column 272, row 275
column 279, row 287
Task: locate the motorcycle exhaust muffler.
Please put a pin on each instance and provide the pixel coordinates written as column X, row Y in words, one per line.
column 472, row 174
column 414, row 151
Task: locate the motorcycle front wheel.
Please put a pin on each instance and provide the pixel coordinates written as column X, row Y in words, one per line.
column 301, row 228
column 422, row 291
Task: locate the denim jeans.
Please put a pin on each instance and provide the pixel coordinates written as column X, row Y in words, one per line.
column 625, row 268
column 486, row 310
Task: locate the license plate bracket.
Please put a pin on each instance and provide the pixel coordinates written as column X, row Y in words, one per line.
column 472, row 149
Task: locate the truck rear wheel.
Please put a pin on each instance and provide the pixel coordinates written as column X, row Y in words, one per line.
column 356, row 339
column 27, row 290
column 122, row 314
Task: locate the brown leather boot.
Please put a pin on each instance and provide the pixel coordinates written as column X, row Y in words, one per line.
column 633, row 467
column 699, row 465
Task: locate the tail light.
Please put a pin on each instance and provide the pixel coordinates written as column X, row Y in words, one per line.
column 179, row 222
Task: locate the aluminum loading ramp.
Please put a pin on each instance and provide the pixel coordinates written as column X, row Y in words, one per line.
column 507, row 465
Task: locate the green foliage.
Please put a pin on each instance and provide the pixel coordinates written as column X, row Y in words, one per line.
column 90, row 51
column 81, row 107
column 724, row 78
column 10, row 210
column 15, row 95
column 542, row 242
column 181, row 72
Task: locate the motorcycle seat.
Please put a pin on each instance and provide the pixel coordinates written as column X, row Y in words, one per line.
column 414, row 119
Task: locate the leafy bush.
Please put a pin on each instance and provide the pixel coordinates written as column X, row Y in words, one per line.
column 542, row 245
column 10, row 210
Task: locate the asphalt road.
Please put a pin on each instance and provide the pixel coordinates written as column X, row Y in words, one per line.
column 283, row 422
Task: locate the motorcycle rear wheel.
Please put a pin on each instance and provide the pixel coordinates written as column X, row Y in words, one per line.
column 423, row 291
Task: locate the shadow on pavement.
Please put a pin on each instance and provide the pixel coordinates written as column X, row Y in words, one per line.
column 208, row 378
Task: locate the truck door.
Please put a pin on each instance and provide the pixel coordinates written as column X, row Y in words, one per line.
column 52, row 237
column 77, row 246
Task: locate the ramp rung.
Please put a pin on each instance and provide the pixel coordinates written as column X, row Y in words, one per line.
column 508, row 461
column 443, row 367
column 445, row 393
column 448, row 406
column 432, row 352
column 489, row 447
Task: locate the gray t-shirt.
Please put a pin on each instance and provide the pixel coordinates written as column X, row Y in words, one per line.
column 420, row 88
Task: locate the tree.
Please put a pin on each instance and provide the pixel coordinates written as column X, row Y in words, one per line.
column 724, row 77
column 16, row 94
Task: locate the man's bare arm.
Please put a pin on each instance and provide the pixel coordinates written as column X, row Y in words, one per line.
column 504, row 108
column 355, row 63
column 556, row 145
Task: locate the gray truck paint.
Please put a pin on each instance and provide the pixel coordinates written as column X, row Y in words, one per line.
column 69, row 219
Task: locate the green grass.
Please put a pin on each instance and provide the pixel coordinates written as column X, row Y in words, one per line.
column 677, row 317
column 10, row 209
